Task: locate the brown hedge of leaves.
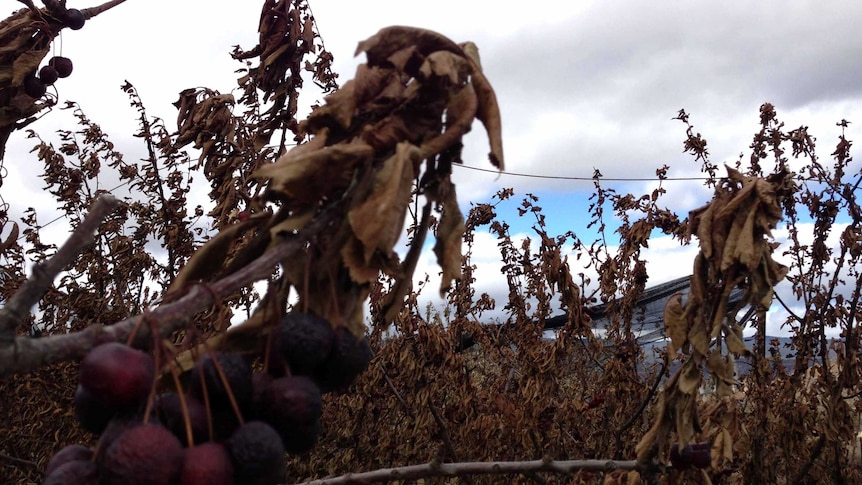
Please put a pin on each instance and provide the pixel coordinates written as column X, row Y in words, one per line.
column 376, row 145
column 517, row 396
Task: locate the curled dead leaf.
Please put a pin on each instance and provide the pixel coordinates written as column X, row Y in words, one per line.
column 378, row 221
column 675, row 324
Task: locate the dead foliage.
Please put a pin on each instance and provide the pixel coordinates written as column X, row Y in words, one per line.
column 25, row 40
column 364, row 161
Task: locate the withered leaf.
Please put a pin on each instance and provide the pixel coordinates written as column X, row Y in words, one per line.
column 741, row 245
column 676, row 326
column 291, row 224
column 459, row 116
column 446, row 64
column 685, row 414
column 10, row 239
column 304, row 177
column 733, row 338
column 389, row 40
column 488, row 110
column 698, row 335
column 657, row 432
column 379, row 220
column 26, row 63
column 689, row 377
column 450, row 232
column 699, row 279
column 702, row 222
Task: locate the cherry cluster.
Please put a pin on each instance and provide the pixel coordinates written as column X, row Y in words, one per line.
column 36, row 84
column 228, row 425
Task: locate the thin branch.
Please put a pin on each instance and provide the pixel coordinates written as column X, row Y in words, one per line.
column 26, row 354
column 397, row 394
column 639, row 413
column 815, row 453
column 444, row 431
column 433, row 469
column 19, row 461
column 93, row 11
column 40, row 281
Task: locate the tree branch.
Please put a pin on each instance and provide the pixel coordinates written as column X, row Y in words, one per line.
column 31, row 291
column 433, row 469
column 25, row 354
column 93, row 11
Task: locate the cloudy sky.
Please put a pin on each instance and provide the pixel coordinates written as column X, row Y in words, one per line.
column 582, row 86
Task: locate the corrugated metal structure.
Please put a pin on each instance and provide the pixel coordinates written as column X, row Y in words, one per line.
column 648, row 322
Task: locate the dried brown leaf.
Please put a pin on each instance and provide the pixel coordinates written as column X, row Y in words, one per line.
column 26, row 63
column 741, row 245
column 379, row 220
column 389, row 40
column 454, row 67
column 305, row 177
column 689, row 377
column 685, row 414
column 460, row 113
column 657, row 433
column 450, row 232
column 675, row 324
column 11, row 239
column 699, row 336
column 488, row 110
column 733, row 338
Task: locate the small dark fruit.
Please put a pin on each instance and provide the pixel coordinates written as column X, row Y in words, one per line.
column 67, row 454
column 290, row 402
column 305, row 341
column 117, row 374
column 116, row 427
column 677, row 460
column 257, row 454
column 170, row 412
column 147, row 454
column 93, row 414
column 700, row 455
column 63, row 65
column 293, row 406
column 207, row 464
column 74, row 19
column 238, row 374
column 48, row 75
column 76, row 472
column 34, row 87
column 349, row 358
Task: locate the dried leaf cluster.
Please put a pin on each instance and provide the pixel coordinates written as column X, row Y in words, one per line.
column 448, row 386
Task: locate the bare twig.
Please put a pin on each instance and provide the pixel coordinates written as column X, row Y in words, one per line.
column 93, row 11
column 31, row 291
column 815, row 454
column 415, row 472
column 25, row 354
column 639, row 413
column 19, row 461
column 400, row 399
column 444, row 431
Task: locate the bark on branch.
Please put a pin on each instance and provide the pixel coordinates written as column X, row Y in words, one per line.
column 31, row 291
column 415, row 472
column 25, row 354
